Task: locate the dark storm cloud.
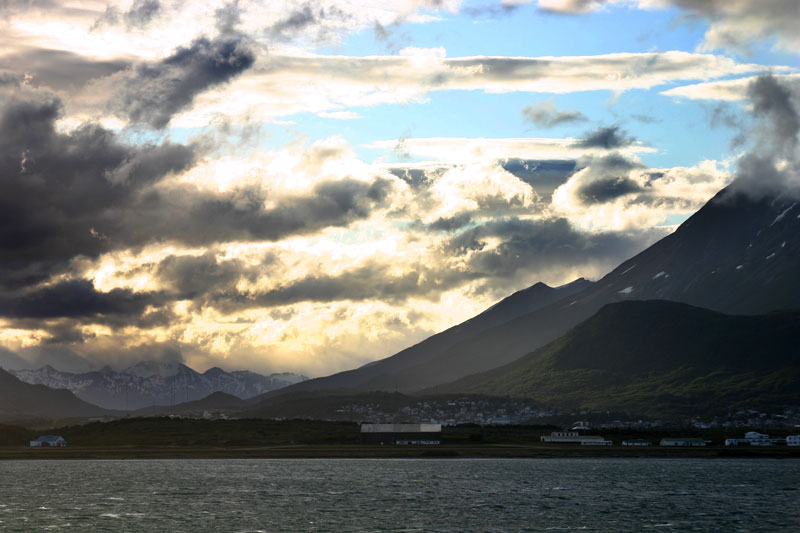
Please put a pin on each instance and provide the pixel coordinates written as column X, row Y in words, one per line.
column 607, row 178
column 16, row 6
column 772, row 162
column 773, row 102
column 546, row 115
column 61, row 194
column 157, row 91
column 241, row 215
column 368, row 282
column 742, row 21
column 140, row 15
column 59, row 69
column 84, row 193
column 142, row 12
column 537, row 245
column 609, row 138
column 75, row 299
column 294, row 22
column 306, row 18
column 193, row 277
column 9, row 80
column 451, row 223
column 228, row 17
column 608, row 189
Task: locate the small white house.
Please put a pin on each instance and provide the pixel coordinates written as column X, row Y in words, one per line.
column 793, row 440
column 49, row 441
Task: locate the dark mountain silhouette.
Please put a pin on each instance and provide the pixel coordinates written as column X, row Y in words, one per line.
column 213, row 403
column 657, row 357
column 20, row 400
column 735, row 255
column 518, row 304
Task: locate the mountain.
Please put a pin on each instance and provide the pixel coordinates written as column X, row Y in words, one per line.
column 19, row 400
column 657, row 357
column 735, row 255
column 150, row 383
column 518, row 304
column 215, row 402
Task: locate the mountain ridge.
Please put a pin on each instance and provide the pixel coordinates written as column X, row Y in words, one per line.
column 648, row 356
column 519, row 302
column 149, row 383
column 736, row 254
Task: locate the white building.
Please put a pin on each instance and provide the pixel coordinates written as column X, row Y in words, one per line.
column 753, row 438
column 573, row 437
column 793, row 440
column 48, row 440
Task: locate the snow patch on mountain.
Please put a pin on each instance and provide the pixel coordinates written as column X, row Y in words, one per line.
column 783, row 214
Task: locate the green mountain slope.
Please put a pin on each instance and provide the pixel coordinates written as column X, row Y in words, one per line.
column 654, row 357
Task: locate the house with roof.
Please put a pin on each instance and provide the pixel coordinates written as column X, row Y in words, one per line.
column 49, row 441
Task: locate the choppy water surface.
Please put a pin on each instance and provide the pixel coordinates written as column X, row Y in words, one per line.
column 401, row 495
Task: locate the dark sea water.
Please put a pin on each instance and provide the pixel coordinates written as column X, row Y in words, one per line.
column 401, row 495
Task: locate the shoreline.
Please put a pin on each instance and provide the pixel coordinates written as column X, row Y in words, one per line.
column 387, row 452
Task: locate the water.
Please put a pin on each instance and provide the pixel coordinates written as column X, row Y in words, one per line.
column 401, row 495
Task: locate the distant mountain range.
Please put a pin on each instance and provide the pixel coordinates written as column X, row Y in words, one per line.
column 736, row 255
column 657, row 357
column 150, row 383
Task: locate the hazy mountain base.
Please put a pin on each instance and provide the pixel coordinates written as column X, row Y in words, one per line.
column 657, row 358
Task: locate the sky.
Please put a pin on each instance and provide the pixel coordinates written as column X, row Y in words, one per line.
column 289, row 186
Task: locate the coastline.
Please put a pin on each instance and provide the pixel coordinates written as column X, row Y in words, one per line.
column 487, row 451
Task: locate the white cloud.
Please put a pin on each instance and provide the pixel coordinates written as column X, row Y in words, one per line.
column 733, row 24
column 284, row 85
column 470, row 150
column 340, row 115
column 726, row 90
column 620, row 195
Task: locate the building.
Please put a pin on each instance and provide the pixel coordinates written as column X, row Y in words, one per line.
column 401, row 433
column 573, row 437
column 636, row 442
column 48, row 441
column 682, row 441
column 753, row 438
column 793, row 440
